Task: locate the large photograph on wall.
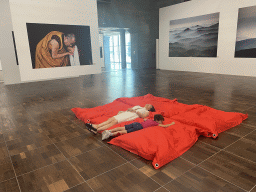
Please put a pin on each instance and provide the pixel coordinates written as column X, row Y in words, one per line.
column 246, row 33
column 194, row 37
column 54, row 45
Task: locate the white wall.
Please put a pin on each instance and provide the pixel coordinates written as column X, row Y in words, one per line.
column 224, row 63
column 10, row 70
column 63, row 12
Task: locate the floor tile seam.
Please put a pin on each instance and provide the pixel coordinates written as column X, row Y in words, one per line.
column 253, row 105
column 41, row 168
column 237, row 140
column 252, row 126
column 78, row 185
column 179, row 176
column 198, row 165
column 133, row 165
column 71, row 120
column 212, row 173
column 8, row 179
column 29, row 150
column 36, row 122
column 223, row 179
column 44, row 132
column 107, row 171
column 47, row 144
column 116, row 152
column 146, row 175
column 56, row 162
column 13, row 167
column 205, row 170
column 221, row 149
column 240, row 157
column 25, row 136
column 12, row 122
column 80, row 153
column 74, row 168
column 188, row 161
column 160, row 188
column 252, row 188
column 209, row 144
column 121, row 156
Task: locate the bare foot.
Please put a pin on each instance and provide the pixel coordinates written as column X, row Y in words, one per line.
column 95, row 126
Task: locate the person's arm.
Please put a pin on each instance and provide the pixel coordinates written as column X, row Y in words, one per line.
column 55, row 48
column 167, row 125
column 131, row 110
column 142, row 115
column 71, row 49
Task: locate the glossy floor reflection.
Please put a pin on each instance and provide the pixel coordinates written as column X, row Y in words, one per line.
column 44, row 147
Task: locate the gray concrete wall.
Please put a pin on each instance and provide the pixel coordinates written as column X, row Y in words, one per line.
column 142, row 18
column 164, row 3
column 142, row 21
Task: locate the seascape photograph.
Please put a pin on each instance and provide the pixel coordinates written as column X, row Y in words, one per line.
column 246, row 33
column 194, row 37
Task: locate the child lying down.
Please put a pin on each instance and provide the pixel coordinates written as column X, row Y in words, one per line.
column 158, row 121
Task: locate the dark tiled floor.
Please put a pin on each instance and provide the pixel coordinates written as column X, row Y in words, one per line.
column 44, row 147
column 200, row 180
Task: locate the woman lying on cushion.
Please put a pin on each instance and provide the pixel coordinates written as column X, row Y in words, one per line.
column 158, row 121
column 122, row 116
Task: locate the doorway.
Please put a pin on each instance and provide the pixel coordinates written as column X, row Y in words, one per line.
column 117, row 48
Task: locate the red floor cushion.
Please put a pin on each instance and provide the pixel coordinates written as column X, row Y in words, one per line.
column 162, row 145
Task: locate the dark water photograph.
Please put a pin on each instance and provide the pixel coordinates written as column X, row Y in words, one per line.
column 246, row 33
column 194, row 37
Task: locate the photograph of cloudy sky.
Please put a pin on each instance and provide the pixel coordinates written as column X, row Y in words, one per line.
column 246, row 33
column 194, row 37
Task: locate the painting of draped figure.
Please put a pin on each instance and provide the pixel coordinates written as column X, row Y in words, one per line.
column 54, row 45
column 194, row 37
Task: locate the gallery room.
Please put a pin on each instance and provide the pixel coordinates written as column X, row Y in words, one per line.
column 128, row 95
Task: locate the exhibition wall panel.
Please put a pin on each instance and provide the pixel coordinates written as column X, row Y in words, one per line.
column 10, row 69
column 51, row 13
column 225, row 62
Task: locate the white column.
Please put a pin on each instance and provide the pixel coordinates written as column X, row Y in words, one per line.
column 10, row 69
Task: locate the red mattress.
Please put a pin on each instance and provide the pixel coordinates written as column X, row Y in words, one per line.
column 162, row 145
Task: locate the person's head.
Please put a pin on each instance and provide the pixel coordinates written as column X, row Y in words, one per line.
column 69, row 39
column 158, row 118
column 150, row 107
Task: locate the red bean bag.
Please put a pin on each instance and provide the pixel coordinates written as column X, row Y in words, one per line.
column 162, row 145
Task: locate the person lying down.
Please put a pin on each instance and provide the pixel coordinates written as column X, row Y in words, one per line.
column 128, row 115
column 158, row 121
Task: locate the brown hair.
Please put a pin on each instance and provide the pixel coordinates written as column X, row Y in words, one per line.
column 158, row 117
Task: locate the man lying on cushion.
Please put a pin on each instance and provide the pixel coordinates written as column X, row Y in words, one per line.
column 158, row 121
column 128, row 115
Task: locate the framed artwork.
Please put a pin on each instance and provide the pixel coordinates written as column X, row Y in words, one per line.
column 246, row 33
column 194, row 37
column 54, row 45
